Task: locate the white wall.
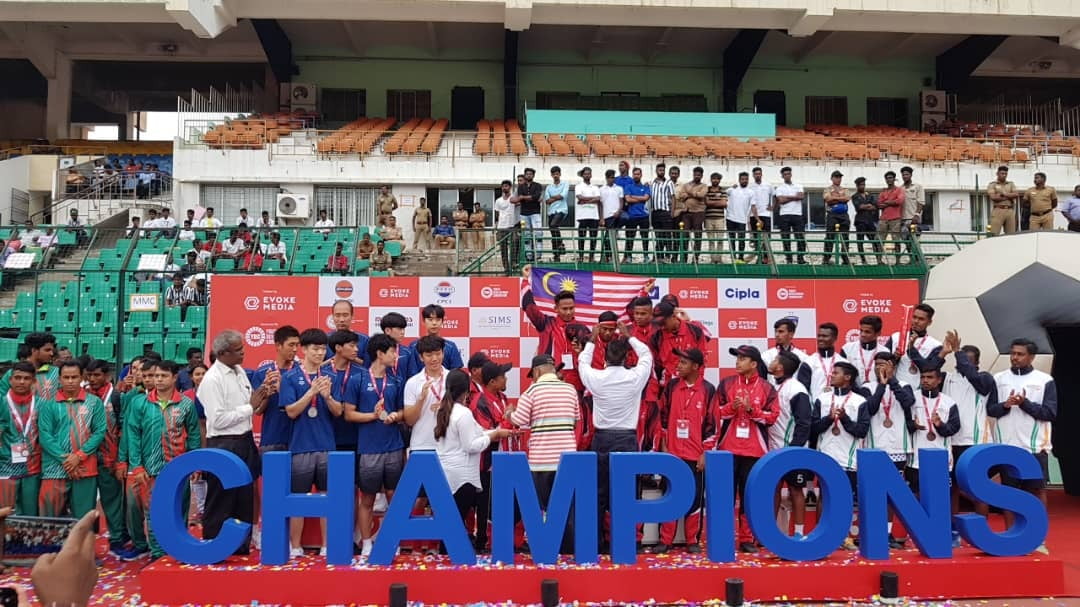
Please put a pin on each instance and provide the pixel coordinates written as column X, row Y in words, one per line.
column 14, row 173
column 953, row 211
column 408, row 198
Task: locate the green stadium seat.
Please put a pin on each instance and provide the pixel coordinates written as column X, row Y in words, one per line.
column 171, row 316
column 9, row 349
column 362, row 265
column 196, row 316
column 100, row 347
column 378, row 273
column 393, row 247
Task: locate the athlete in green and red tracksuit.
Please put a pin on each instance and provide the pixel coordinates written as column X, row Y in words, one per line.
column 71, row 426
column 110, row 489
column 18, row 440
column 162, row 425
column 134, row 388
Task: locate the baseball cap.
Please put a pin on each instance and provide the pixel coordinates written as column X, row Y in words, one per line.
column 860, row 180
column 493, row 369
column 542, row 359
column 837, row 174
column 747, row 351
column 691, row 354
column 663, row 310
column 477, row 360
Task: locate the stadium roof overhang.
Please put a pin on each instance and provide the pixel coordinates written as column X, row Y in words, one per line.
column 801, row 18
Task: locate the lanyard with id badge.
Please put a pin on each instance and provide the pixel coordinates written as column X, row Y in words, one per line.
column 20, row 450
column 682, row 425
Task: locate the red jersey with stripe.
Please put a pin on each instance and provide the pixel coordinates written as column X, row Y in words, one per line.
column 686, row 415
column 744, row 432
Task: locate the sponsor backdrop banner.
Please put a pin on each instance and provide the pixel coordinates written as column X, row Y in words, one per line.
column 485, row 313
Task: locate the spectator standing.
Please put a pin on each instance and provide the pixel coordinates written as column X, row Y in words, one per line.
column 716, row 202
column 324, row 223
column 110, row 488
column 662, row 194
column 637, row 197
column 761, row 212
column 1003, row 195
column 837, row 220
column 507, row 228
column 478, row 223
column 1041, row 201
column 209, row 221
column 555, row 197
column 611, row 203
column 421, row 223
column 914, row 201
column 444, row 234
column 866, row 218
column 1071, row 210
column 792, row 219
column 740, row 203
column 461, row 222
column 387, row 204
column 691, row 195
column 891, row 203
column 624, row 179
column 529, row 196
column 587, row 212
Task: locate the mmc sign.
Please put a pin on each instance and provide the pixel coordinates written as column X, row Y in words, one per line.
column 927, row 518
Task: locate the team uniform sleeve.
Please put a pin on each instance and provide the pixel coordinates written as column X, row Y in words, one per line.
column 47, row 431
column 801, row 412
column 769, row 411
column 995, row 407
column 952, row 425
column 643, row 367
column 709, row 435
column 97, row 428
column 805, row 375
column 982, row 382
column 873, row 400
column 528, row 304
column 860, row 426
column 818, row 423
column 453, row 358
column 135, row 437
column 194, row 434
column 1045, row 411
column 904, row 395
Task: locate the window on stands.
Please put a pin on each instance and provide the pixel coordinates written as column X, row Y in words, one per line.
column 826, row 110
column 227, row 200
column 887, row 111
column 348, row 205
column 815, row 203
column 556, row 100
column 980, row 212
column 928, row 210
column 343, row 105
column 406, row 105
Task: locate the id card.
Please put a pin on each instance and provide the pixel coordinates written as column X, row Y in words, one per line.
column 682, row 429
column 742, row 431
column 568, row 361
column 20, row 452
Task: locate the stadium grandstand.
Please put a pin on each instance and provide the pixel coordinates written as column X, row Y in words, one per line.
column 373, row 139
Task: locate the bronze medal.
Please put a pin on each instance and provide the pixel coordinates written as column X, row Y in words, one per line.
column 888, row 422
column 836, row 430
column 913, row 369
column 930, row 435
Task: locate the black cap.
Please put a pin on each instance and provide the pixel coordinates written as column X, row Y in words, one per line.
column 691, row 354
column 747, row 351
column 477, row 360
column 663, row 310
column 860, row 180
column 542, row 359
column 837, row 174
column 493, row 369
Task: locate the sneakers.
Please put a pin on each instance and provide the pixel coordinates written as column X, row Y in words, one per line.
column 322, row 552
column 694, row 549
column 896, row 544
column 380, row 503
column 849, row 544
column 296, row 553
column 133, row 554
column 117, row 550
column 659, row 548
column 798, row 537
column 256, row 537
column 748, row 547
column 956, row 543
column 365, row 551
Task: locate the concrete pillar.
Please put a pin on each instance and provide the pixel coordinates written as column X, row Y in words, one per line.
column 58, row 102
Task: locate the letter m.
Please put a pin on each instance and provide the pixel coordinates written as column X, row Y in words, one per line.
column 572, row 492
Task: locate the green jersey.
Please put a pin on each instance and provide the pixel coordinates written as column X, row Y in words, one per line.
column 19, row 434
column 48, row 382
column 71, row 425
column 158, row 431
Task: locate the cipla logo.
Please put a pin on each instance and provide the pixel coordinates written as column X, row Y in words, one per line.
column 733, row 293
column 444, row 290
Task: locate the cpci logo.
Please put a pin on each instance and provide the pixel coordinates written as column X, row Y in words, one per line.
column 251, row 303
column 850, row 306
column 444, row 290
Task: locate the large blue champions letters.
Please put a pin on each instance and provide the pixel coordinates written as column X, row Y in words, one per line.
column 720, row 506
column 928, row 519
column 167, row 514
column 973, row 476
column 423, row 472
column 627, row 510
column 574, row 491
column 834, row 512
column 280, row 504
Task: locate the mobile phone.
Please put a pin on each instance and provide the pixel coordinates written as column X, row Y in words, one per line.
column 8, row 597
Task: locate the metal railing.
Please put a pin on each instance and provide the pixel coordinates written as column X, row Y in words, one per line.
column 89, row 149
column 115, row 190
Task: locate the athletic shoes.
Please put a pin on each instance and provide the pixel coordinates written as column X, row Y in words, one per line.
column 659, row 548
column 133, row 554
column 748, row 547
column 895, row 544
column 694, row 549
column 849, row 544
column 956, row 543
column 256, row 537
column 798, row 537
column 117, row 550
column 322, row 552
column 296, row 553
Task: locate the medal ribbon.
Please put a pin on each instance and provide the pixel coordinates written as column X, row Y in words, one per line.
column 21, row 425
column 307, row 381
column 836, row 422
column 930, row 414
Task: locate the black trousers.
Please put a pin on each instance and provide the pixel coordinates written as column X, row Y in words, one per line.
column 743, row 464
column 544, row 482
column 760, row 244
column 662, row 224
column 606, row 442
column 865, row 230
column 509, row 247
column 555, row 223
column 792, row 224
column 632, row 227
column 587, row 228
column 611, row 229
column 237, row 503
column 837, row 228
column 465, row 499
column 737, row 237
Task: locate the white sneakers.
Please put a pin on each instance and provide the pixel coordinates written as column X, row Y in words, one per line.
column 380, row 503
column 296, row 553
column 365, row 550
column 256, row 537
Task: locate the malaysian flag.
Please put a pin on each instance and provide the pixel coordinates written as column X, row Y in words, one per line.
column 594, row 292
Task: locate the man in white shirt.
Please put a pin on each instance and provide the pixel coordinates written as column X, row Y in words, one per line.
column 209, row 221
column 245, row 219
column 186, row 233
column 616, row 394
column 761, row 211
column 860, row 353
column 611, row 203
column 226, row 396
column 740, row 200
column 275, row 249
column 423, row 392
column 233, row 248
column 324, row 222
column 792, row 219
column 785, row 336
column 921, row 350
column 587, row 212
column 506, row 224
column 264, row 221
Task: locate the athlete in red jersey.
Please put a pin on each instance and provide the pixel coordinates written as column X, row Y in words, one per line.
column 675, row 332
column 552, row 329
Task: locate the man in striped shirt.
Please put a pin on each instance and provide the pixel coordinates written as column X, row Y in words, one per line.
column 549, row 409
column 662, row 192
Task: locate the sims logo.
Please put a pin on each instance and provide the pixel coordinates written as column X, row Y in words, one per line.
column 444, row 290
column 739, row 294
column 496, row 321
column 493, row 292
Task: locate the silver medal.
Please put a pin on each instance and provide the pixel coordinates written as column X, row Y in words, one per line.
column 383, row 415
column 312, row 412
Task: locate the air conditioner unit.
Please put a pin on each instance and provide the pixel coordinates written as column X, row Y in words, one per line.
column 932, row 101
column 932, row 121
column 303, row 96
column 293, row 206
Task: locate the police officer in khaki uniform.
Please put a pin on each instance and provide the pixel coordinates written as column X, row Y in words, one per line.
column 1003, row 195
column 837, row 220
column 1041, row 200
column 387, row 204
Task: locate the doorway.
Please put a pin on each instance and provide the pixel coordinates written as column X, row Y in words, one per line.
column 1066, row 344
column 466, row 107
column 772, row 102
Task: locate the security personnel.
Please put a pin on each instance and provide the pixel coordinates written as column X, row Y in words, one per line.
column 1003, row 194
column 837, row 221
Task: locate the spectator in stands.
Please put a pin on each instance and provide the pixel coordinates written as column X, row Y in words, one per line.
column 109, row 181
column 191, row 266
column 555, row 196
column 623, row 179
column 209, row 221
column 191, row 217
column 386, row 204
column 166, row 223
column 891, row 203
column 146, row 179
column 380, row 259
column 792, row 220
column 174, row 295
column 529, row 196
column 1003, row 194
column 151, row 222
column 637, row 197
column 611, row 205
column 391, row 231
column 1071, row 210
column 761, row 212
column 5, row 252
column 275, row 250
column 187, row 233
column 134, row 229
column 253, row 257
column 76, row 225
column 264, row 222
column 716, row 202
column 62, row 354
column 197, row 295
column 461, row 222
column 506, row 226
column 421, row 223
column 866, row 216
column 74, row 181
column 337, row 262
column 478, row 222
column 211, row 250
column 662, row 193
column 691, row 196
column 587, row 212
column 185, row 379
column 444, row 234
column 365, row 247
column 233, row 248
column 244, row 218
column 324, row 223
column 1041, row 201
column 914, row 200
column 837, row 220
